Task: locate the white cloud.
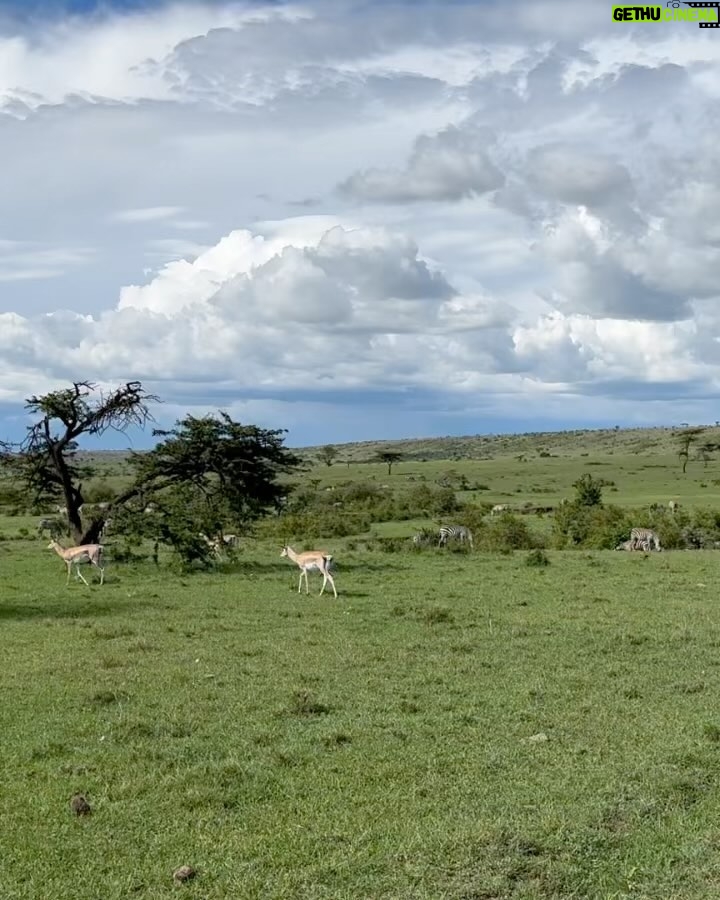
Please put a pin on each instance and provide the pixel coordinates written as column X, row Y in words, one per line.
column 146, row 214
column 578, row 175
column 450, row 165
column 31, row 260
column 528, row 208
column 117, row 56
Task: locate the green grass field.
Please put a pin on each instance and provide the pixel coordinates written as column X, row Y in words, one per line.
column 384, row 745
column 455, row 725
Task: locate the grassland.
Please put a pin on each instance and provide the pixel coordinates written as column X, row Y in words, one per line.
column 516, row 469
column 457, row 726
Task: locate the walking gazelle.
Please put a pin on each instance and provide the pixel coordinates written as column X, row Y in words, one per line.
column 308, row 562
column 77, row 556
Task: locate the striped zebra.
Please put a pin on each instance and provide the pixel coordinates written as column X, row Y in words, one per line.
column 628, row 545
column 54, row 526
column 458, row 532
column 645, row 538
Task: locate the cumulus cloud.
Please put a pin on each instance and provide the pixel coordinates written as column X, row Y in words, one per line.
column 578, row 175
column 605, row 273
column 449, row 165
column 513, row 203
column 306, row 305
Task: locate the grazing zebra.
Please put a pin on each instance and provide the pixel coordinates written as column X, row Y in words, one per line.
column 54, row 526
column 498, row 508
column 645, row 538
column 459, row 532
column 628, row 545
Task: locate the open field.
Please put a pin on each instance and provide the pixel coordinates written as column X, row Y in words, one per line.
column 637, row 479
column 457, row 725
column 388, row 744
column 523, row 466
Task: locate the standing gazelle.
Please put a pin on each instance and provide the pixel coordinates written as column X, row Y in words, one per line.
column 313, row 559
column 76, row 556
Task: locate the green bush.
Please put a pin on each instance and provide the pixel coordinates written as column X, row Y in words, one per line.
column 537, row 558
column 507, row 532
column 596, row 527
column 313, row 525
column 100, row 491
column 588, row 490
column 388, row 544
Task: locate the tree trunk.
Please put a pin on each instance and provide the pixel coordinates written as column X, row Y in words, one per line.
column 92, row 535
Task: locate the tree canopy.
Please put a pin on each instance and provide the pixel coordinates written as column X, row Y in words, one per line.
column 45, row 462
column 208, row 474
column 389, row 457
column 328, row 454
column 686, row 438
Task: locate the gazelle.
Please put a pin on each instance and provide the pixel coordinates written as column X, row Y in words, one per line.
column 76, row 556
column 313, row 559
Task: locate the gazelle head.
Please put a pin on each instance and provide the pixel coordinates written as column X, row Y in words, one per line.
column 284, row 551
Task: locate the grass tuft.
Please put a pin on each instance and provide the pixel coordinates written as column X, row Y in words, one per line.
column 304, row 703
column 436, row 615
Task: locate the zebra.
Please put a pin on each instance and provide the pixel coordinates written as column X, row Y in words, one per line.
column 460, row 532
column 628, row 545
column 645, row 538
column 54, row 526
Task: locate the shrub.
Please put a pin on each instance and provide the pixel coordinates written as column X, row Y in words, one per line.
column 588, row 490
column 388, row 544
column 507, row 532
column 538, row 558
column 426, row 537
column 597, row 527
column 444, row 501
column 100, row 491
column 313, row 525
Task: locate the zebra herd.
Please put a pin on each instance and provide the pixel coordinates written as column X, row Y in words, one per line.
column 640, row 538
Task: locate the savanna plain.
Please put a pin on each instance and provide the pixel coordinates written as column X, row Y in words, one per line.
column 458, row 724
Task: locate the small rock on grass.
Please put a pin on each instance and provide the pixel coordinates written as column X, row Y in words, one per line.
column 183, row 874
column 80, row 806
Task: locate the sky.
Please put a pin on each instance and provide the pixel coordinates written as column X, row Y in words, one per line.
column 362, row 220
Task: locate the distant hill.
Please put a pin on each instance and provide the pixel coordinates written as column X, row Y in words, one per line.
column 640, row 441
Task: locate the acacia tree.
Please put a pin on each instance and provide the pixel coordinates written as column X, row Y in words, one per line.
column 706, row 450
column 328, row 454
column 209, row 474
column 45, row 462
column 685, row 439
column 389, row 457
